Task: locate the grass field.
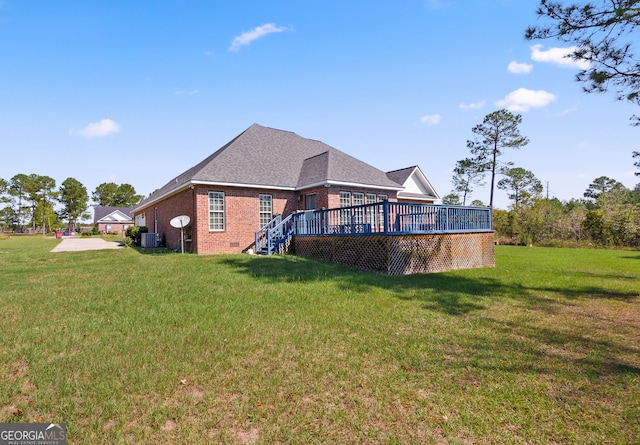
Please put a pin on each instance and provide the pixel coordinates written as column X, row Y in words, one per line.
column 127, row 347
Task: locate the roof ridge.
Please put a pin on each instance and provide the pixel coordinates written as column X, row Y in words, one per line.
column 270, row 157
column 400, row 169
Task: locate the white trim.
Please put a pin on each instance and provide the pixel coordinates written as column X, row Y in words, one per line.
column 417, row 198
column 240, row 184
column 111, row 218
column 349, row 184
column 260, row 212
column 417, row 175
column 259, row 186
column 161, row 197
column 426, row 181
column 224, row 211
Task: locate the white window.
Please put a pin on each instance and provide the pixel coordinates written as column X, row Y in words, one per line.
column 266, row 209
column 358, row 199
column 216, row 211
column 381, row 198
column 371, row 198
column 140, row 220
column 371, row 212
column 345, row 201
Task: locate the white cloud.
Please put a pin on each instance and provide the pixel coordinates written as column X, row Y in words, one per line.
column 519, row 68
column 522, row 100
column 559, row 56
column 98, row 129
column 186, row 93
column 567, row 111
column 246, row 38
column 431, row 119
column 472, row 106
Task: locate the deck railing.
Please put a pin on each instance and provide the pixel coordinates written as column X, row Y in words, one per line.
column 273, row 236
column 392, row 218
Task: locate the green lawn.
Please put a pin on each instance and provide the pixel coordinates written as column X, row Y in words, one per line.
column 129, row 348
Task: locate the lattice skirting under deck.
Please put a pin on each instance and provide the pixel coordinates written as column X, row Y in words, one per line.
column 401, row 254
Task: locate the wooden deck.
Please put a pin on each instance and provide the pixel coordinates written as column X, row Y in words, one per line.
column 389, row 238
column 401, row 254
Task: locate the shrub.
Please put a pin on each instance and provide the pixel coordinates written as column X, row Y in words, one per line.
column 132, row 231
column 135, row 233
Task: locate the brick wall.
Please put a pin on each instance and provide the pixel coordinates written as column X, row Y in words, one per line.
column 113, row 227
column 159, row 214
column 242, row 215
column 334, row 194
column 329, row 197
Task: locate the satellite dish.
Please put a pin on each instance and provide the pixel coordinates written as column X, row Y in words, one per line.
column 180, row 221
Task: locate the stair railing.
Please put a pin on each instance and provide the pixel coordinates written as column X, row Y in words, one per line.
column 275, row 235
column 262, row 235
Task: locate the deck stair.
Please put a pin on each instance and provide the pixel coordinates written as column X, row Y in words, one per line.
column 375, row 219
column 274, row 237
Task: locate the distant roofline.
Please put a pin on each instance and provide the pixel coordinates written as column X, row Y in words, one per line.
column 102, row 220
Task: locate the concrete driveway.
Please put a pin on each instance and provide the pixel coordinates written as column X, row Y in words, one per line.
column 78, row 244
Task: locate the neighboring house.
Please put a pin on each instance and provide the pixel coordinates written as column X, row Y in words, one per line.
column 265, row 172
column 112, row 219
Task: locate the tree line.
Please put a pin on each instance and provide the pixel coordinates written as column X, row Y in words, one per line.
column 605, row 35
column 608, row 213
column 35, row 202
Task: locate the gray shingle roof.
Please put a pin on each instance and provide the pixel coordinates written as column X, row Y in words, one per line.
column 400, row 176
column 100, row 212
column 267, row 157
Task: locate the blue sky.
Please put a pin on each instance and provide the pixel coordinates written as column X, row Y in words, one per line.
column 138, row 91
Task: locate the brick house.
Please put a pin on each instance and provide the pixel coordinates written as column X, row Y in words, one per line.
column 109, row 219
column 265, row 172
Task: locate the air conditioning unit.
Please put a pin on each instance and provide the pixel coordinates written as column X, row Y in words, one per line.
column 149, row 240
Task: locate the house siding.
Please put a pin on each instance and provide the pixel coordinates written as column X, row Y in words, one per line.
column 329, row 197
column 167, row 209
column 242, row 217
column 322, row 200
column 334, row 195
column 114, row 227
column 241, row 214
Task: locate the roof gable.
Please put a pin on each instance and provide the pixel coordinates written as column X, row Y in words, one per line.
column 401, row 176
column 269, row 158
column 112, row 214
column 415, row 183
